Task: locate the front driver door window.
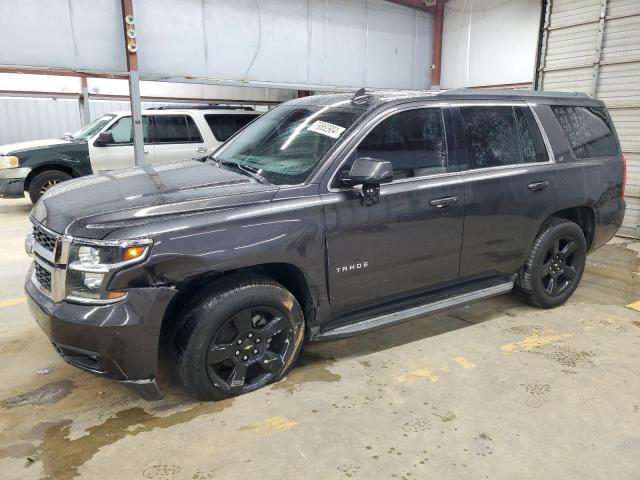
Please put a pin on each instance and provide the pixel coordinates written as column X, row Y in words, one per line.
column 119, row 153
column 413, row 141
column 407, row 242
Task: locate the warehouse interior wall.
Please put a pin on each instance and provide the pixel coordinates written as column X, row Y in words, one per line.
column 490, row 42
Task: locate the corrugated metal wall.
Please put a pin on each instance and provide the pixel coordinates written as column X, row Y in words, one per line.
column 593, row 46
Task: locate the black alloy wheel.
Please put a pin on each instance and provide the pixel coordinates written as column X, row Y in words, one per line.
column 555, row 264
column 560, row 266
column 236, row 336
column 248, row 351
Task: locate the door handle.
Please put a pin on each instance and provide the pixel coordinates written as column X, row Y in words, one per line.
column 201, row 149
column 146, row 152
column 443, row 202
column 538, row 186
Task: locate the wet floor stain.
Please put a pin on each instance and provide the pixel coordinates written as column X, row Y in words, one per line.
column 270, row 425
column 615, row 268
column 464, row 363
column 533, row 342
column 308, row 369
column 47, row 394
column 62, row 456
column 417, row 375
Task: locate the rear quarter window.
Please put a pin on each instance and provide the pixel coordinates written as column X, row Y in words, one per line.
column 588, row 130
column 224, row 126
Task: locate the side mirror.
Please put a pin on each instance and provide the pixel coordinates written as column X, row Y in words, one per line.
column 105, row 138
column 366, row 176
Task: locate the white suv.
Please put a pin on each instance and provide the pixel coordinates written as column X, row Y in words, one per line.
column 170, row 134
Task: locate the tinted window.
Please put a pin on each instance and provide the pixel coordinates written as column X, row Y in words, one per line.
column 499, row 136
column 223, row 126
column 588, row 131
column 176, row 129
column 123, row 133
column 413, row 141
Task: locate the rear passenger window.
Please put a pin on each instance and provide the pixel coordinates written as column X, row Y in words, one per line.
column 176, row 129
column 223, row 126
column 413, row 141
column 498, row 136
column 588, row 131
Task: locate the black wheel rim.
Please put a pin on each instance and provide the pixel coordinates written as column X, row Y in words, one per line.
column 560, row 266
column 250, row 349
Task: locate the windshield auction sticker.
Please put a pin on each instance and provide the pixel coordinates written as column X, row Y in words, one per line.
column 326, row 128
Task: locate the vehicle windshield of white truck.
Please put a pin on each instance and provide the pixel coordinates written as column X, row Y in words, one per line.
column 94, row 127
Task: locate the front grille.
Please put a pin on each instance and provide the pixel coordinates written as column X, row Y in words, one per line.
column 43, row 276
column 44, row 239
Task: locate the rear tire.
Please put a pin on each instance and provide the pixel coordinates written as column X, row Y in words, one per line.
column 555, row 264
column 44, row 181
column 237, row 337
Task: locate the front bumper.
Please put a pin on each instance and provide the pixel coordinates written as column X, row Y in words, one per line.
column 118, row 341
column 12, row 182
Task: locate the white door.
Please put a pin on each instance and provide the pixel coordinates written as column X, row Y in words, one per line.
column 119, row 152
column 177, row 138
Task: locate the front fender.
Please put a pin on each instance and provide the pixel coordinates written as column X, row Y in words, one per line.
column 289, row 231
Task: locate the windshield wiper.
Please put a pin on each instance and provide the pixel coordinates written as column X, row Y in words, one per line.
column 250, row 171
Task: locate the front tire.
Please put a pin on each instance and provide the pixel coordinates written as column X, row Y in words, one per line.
column 44, row 181
column 555, row 264
column 238, row 337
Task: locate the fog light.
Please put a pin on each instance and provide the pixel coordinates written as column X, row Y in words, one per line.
column 93, row 281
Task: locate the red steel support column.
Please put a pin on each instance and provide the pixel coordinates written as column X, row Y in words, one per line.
column 438, row 28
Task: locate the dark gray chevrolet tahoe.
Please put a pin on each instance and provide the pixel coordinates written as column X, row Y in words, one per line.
column 328, row 216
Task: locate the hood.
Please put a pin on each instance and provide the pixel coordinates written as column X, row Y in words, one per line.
column 12, row 148
column 96, row 205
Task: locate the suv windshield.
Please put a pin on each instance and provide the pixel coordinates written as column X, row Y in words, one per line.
column 285, row 144
column 94, row 127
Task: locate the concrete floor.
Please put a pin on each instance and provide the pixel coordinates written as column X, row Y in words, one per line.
column 494, row 390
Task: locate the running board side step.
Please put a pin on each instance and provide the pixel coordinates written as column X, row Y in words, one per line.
column 414, row 312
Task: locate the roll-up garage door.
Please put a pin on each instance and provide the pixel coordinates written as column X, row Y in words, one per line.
column 593, row 46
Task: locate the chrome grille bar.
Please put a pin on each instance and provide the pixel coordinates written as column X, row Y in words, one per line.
column 50, row 253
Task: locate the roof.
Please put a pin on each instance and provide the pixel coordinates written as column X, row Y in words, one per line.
column 375, row 98
column 188, row 109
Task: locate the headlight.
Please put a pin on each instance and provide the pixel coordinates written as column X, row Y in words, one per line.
column 91, row 266
column 9, row 162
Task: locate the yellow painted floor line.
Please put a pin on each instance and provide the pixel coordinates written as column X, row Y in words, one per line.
column 13, row 301
column 634, row 306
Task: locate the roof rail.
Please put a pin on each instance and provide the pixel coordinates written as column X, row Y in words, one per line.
column 210, row 106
